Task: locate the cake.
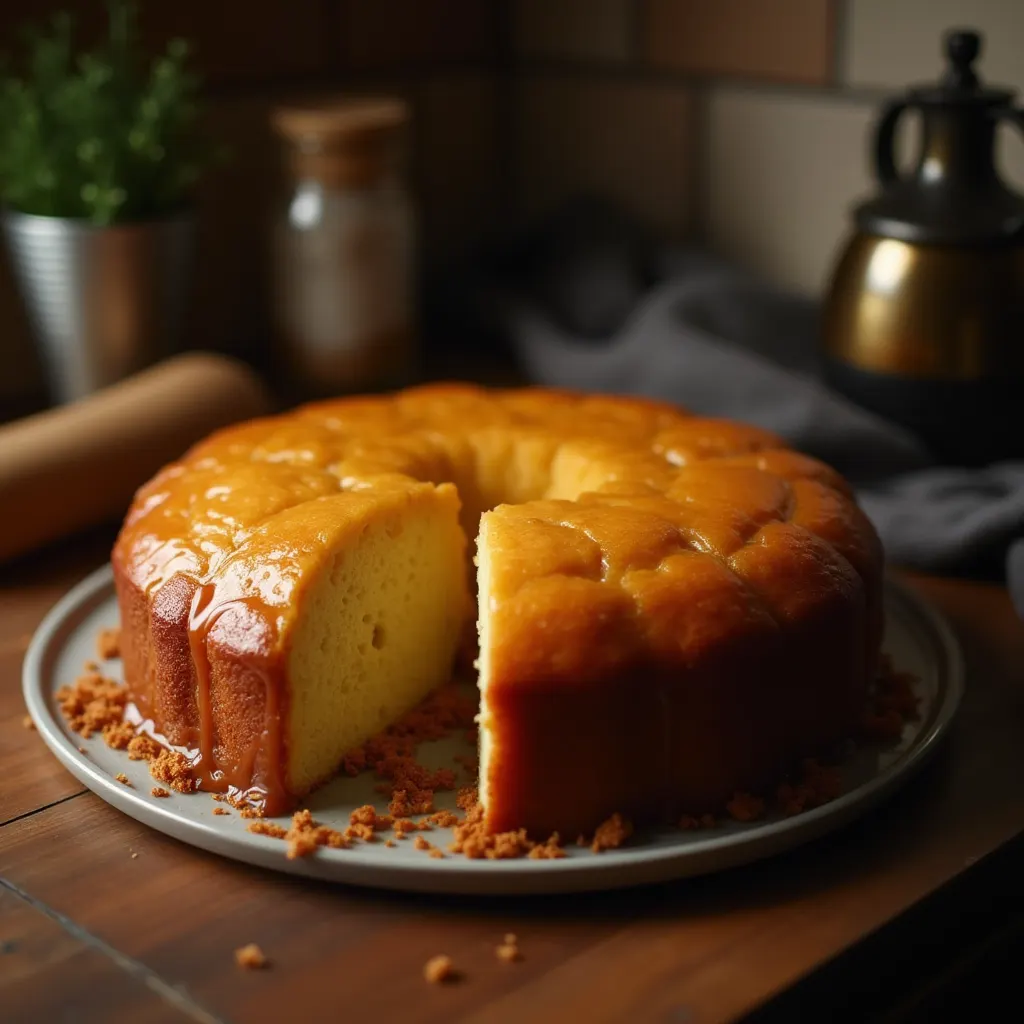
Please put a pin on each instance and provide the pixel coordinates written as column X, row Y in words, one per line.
column 669, row 609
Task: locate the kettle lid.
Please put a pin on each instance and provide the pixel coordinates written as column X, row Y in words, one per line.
column 960, row 83
column 954, row 195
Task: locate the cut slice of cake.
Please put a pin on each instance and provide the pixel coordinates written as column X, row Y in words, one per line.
column 329, row 622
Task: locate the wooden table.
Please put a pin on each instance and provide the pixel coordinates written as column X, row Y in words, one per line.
column 104, row 920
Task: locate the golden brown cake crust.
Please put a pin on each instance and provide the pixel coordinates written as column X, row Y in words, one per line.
column 659, row 572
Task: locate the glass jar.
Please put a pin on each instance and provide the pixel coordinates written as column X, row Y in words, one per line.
column 344, row 249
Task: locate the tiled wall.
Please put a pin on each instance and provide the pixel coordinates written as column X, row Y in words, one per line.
column 443, row 55
column 744, row 123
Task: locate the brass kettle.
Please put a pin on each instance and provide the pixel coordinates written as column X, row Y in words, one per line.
column 924, row 314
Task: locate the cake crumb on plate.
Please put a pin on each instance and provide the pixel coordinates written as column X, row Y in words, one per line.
column 159, row 791
column 123, row 779
column 108, row 643
column 611, row 834
column 173, row 769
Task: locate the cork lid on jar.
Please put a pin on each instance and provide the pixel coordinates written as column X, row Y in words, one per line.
column 345, row 141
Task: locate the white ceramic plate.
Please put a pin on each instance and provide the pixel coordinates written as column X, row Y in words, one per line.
column 918, row 639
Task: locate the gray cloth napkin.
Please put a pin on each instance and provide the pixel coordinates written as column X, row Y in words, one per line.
column 597, row 310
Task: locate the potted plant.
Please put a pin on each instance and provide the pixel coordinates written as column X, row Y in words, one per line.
column 99, row 152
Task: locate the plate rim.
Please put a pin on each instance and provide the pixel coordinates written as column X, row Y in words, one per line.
column 612, row 870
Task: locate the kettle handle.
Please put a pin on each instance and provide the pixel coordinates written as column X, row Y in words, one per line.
column 1015, row 115
column 885, row 133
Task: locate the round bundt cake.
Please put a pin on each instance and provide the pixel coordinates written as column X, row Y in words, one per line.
column 670, row 609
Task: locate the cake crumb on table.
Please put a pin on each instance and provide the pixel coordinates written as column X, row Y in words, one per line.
column 508, row 951
column 27, row 723
column 251, row 957
column 440, row 969
column 611, row 834
column 108, row 643
column 123, row 779
column 159, row 791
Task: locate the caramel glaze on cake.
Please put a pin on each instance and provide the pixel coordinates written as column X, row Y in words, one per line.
column 671, row 609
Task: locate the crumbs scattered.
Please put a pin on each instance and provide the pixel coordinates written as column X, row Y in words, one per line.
column 159, row 791
column 267, row 828
column 508, row 951
column 143, row 748
column 440, row 969
column 174, row 769
column 251, row 958
column 893, row 703
column 92, row 703
column 365, row 820
column 108, row 643
column 305, row 836
column 442, row 819
column 745, row 807
column 221, row 810
column 390, row 755
column 612, row 833
column 119, row 735
column 123, row 779
column 688, row 821
column 817, row 784
column 472, row 839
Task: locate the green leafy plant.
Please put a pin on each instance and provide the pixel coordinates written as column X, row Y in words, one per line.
column 99, row 136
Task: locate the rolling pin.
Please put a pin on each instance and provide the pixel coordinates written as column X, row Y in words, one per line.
column 79, row 465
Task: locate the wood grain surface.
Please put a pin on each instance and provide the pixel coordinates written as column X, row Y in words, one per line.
column 151, row 936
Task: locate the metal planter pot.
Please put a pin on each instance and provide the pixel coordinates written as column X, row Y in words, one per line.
column 103, row 302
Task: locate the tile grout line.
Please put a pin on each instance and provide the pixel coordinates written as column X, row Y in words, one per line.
column 668, row 78
column 44, row 807
column 175, row 996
